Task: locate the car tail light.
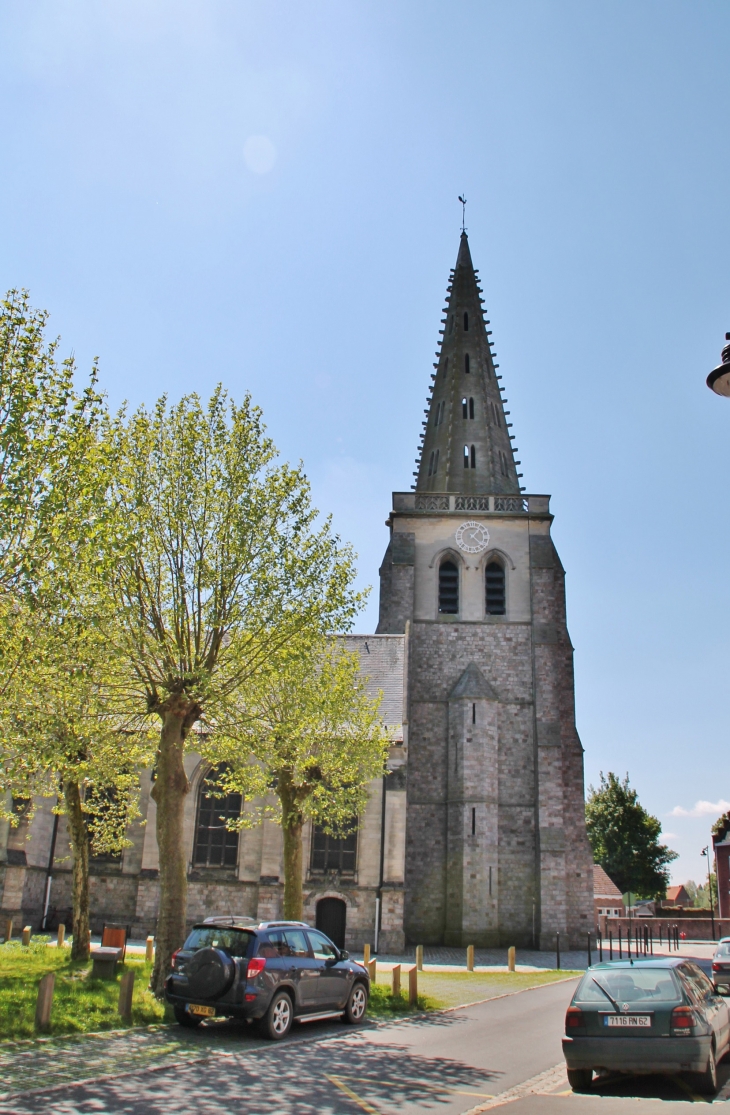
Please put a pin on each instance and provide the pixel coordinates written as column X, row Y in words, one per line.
column 174, row 957
column 255, row 965
column 574, row 1018
column 683, row 1019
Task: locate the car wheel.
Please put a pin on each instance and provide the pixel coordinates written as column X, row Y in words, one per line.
column 706, row 1082
column 357, row 1004
column 184, row 1019
column 580, row 1080
column 277, row 1021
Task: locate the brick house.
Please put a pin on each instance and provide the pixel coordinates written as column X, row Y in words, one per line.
column 607, row 898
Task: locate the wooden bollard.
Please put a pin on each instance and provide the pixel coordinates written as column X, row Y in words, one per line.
column 44, row 1002
column 61, row 935
column 8, row 929
column 413, row 986
column 395, row 974
column 149, row 952
column 470, row 958
column 126, row 990
column 366, row 955
column 25, row 939
column 419, row 957
column 373, row 970
column 511, row 958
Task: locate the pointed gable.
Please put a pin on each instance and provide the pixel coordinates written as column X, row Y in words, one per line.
column 472, row 686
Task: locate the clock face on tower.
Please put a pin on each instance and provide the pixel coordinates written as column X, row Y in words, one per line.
column 472, row 538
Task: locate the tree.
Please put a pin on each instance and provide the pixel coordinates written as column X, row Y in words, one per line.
column 217, row 564
column 308, row 730
column 625, row 839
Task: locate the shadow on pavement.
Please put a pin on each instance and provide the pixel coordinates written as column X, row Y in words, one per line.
column 664, row 1087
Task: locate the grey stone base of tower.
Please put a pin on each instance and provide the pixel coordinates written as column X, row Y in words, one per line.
column 496, row 847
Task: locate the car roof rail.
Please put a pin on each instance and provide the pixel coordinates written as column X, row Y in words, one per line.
column 229, row 919
column 282, row 924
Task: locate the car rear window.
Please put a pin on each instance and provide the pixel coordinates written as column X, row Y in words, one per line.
column 284, row 942
column 723, row 950
column 629, row 985
column 233, row 941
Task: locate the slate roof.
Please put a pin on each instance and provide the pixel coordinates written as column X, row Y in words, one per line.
column 382, row 659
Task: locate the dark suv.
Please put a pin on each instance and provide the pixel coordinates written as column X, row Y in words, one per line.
column 270, row 972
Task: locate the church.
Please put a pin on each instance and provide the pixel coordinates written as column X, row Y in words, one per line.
column 476, row 834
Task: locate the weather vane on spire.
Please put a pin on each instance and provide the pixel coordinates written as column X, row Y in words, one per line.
column 462, row 199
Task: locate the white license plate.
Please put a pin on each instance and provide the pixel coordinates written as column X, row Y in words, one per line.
column 641, row 1020
column 207, row 1012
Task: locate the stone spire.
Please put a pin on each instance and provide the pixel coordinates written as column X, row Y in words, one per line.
column 466, row 445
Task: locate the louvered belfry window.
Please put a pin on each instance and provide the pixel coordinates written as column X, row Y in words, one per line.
column 448, row 588
column 495, row 589
column 215, row 845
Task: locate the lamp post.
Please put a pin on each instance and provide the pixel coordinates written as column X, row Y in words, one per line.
column 706, row 852
column 719, row 378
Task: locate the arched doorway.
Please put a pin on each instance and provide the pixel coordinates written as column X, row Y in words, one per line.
column 332, row 919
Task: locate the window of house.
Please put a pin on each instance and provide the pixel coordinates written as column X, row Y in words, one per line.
column 215, row 844
column 466, row 322
column 466, row 362
column 464, row 408
column 471, row 408
column 448, row 588
column 333, row 854
column 473, row 456
column 495, row 586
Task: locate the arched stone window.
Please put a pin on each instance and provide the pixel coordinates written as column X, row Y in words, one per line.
column 215, row 845
column 448, row 588
column 471, row 408
column 473, row 456
column 466, row 456
column 333, row 854
column 430, row 463
column 466, row 322
column 464, row 408
column 495, row 589
column 466, row 363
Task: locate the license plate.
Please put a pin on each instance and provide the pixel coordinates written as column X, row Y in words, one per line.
column 207, row 1012
column 637, row 1020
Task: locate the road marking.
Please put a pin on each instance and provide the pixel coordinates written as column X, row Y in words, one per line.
column 686, row 1088
column 353, row 1096
column 420, row 1084
column 539, row 1085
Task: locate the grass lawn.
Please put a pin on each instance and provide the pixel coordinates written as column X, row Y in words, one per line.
column 451, row 989
column 80, row 1004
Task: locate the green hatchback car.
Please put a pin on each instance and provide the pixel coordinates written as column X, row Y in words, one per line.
column 646, row 1016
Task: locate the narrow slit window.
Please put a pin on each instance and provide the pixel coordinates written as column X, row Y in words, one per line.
column 446, row 366
column 495, row 587
column 471, row 408
column 464, row 409
column 473, row 456
column 473, row 822
column 473, row 714
column 436, row 463
column 466, row 456
column 430, row 463
column 466, row 322
column 466, row 363
column 448, row 588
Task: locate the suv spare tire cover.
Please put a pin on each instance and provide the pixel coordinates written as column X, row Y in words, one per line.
column 210, row 973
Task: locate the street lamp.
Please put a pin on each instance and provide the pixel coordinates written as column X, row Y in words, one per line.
column 706, row 852
column 719, row 378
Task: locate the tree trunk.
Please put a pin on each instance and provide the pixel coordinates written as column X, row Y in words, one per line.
column 292, row 822
column 80, row 846
column 168, row 792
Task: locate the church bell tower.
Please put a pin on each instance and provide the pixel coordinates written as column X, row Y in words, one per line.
column 496, row 846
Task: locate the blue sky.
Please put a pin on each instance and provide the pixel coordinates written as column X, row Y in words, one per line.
column 264, row 193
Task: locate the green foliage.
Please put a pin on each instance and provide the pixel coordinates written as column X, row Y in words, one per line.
column 80, row 1004
column 625, row 839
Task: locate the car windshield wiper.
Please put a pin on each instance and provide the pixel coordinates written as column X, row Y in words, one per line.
column 608, row 996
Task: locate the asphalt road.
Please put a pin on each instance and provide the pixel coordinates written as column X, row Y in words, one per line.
column 504, row 1052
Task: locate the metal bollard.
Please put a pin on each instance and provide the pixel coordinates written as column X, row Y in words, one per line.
column 557, row 950
column 590, row 961
column 149, row 952
column 470, row 958
column 413, row 986
column 419, row 957
column 610, row 946
column 44, row 1002
column 395, row 976
column 126, row 991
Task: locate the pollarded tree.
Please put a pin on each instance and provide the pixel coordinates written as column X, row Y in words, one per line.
column 309, row 730
column 218, row 563
column 625, row 839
